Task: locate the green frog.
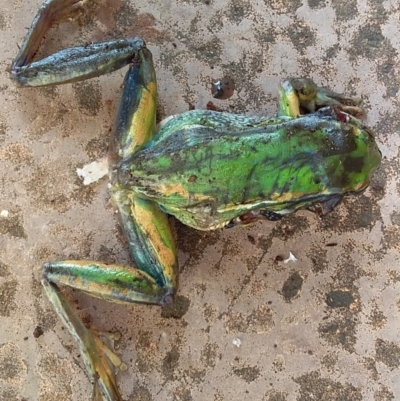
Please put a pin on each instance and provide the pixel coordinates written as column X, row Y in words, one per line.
column 207, row 169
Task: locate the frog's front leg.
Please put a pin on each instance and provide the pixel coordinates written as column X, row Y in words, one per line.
column 68, row 65
column 301, row 95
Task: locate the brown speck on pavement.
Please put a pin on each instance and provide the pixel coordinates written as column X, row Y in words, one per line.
column 322, row 328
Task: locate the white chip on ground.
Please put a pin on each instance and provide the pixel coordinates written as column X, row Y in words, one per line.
column 94, row 171
column 237, row 342
column 4, row 213
column 291, row 258
column 163, row 122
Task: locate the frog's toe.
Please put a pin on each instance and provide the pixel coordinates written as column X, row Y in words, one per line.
column 66, row 11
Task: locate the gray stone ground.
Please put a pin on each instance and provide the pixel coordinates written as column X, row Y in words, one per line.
column 323, row 328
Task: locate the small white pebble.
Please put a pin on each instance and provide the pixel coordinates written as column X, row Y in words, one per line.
column 291, row 258
column 92, row 172
column 4, row 213
column 237, row 342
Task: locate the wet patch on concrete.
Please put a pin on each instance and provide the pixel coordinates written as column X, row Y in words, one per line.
column 89, row 98
column 8, row 291
column 12, row 365
column 13, row 225
column 339, row 299
column 315, row 387
column 178, row 309
column 388, row 353
column 292, row 286
column 261, row 320
column 247, row 373
column 141, row 394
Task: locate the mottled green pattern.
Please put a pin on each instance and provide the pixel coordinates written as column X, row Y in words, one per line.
column 226, row 164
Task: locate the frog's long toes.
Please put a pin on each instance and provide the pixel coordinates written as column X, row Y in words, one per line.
column 353, row 110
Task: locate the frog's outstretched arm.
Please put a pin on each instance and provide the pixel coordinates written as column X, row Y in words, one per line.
column 68, row 65
column 301, row 96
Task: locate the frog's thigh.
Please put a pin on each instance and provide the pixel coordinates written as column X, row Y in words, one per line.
column 135, row 121
column 150, row 239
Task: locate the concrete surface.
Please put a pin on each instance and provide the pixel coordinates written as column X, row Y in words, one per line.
column 323, row 328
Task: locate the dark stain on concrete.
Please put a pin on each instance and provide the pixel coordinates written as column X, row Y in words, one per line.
column 170, row 363
column 140, row 393
column 3, row 130
column 178, row 309
column 315, row 387
column 275, row 395
column 238, row 10
column 182, row 393
column 97, row 147
column 339, row 299
column 316, row 3
column 340, row 330
column 354, row 213
column 283, row 6
column 292, row 286
column 329, row 361
column 369, row 42
column 301, row 35
column 3, row 24
column 377, row 318
column 388, row 353
column 11, row 363
column 261, row 320
column 390, row 238
column 8, row 291
column 345, row 9
column 209, row 355
column 247, row 373
column 383, row 394
column 194, row 242
column 13, row 226
column 4, row 270
column 319, row 259
column 88, row 95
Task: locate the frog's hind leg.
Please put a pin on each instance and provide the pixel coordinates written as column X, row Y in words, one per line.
column 136, row 116
column 147, row 230
column 68, row 65
column 100, row 361
column 301, row 96
column 154, row 281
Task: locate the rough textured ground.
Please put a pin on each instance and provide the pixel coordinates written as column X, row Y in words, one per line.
column 323, row 328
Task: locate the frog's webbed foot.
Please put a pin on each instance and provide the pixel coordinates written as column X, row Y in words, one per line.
column 50, row 13
column 301, row 96
column 100, row 361
column 321, row 209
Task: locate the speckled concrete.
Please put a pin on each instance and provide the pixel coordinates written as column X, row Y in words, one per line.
column 323, row 328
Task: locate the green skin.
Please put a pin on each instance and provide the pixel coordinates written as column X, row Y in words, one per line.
column 207, row 169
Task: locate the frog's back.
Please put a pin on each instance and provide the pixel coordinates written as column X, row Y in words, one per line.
column 206, row 176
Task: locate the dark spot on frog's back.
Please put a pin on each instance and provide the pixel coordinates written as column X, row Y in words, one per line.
column 353, row 164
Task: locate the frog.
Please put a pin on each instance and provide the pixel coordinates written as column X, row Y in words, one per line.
column 207, row 169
